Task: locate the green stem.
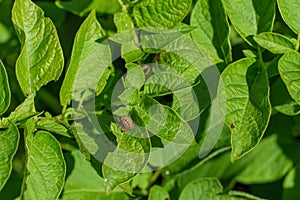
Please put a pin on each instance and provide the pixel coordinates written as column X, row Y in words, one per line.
column 25, row 174
column 123, row 6
column 1, row 124
column 80, row 144
column 79, row 104
column 141, row 192
column 63, row 112
column 298, row 42
column 154, row 177
column 23, row 187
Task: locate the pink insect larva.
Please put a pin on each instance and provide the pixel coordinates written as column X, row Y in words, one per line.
column 125, row 122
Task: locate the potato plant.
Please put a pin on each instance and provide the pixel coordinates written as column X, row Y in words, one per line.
column 149, row 99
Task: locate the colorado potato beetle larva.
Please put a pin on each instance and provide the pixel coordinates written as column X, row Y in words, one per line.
column 125, row 122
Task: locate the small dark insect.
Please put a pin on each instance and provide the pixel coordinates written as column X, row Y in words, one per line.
column 232, row 125
column 125, row 122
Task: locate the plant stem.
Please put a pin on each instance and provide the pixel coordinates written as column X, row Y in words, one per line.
column 124, row 7
column 154, row 177
column 25, row 173
column 141, row 192
column 63, row 112
column 298, row 42
column 1, row 124
column 23, row 187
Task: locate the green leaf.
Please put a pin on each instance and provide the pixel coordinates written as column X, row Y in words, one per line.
column 89, row 61
column 5, row 33
column 274, row 42
column 81, row 8
column 123, row 21
column 215, row 165
column 168, row 81
column 158, row 193
column 5, row 95
column 9, row 141
column 87, row 130
column 249, row 53
column 163, row 122
column 182, row 163
column 290, row 184
column 272, row 67
column 41, row 58
column 128, row 37
column 104, row 79
column 250, row 17
column 185, row 104
column 53, row 126
column 254, row 173
column 130, row 96
column 173, row 61
column 290, row 109
column 202, row 188
column 128, row 159
column 142, row 180
column 154, row 116
column 84, row 182
column 24, row 111
column 272, row 151
column 165, row 81
column 135, row 77
column 125, row 28
column 281, row 100
column 216, row 134
column 45, row 165
column 243, row 96
column 131, row 52
column 240, row 195
column 157, row 13
column 182, row 53
column 289, row 10
column 205, row 167
column 169, row 154
column 212, row 32
column 279, row 93
column 209, row 188
column 289, row 70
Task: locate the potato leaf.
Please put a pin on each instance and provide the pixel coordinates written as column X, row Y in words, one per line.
column 41, row 59
column 5, row 95
column 243, row 96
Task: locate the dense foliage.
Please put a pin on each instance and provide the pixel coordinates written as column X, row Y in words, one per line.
column 150, row 99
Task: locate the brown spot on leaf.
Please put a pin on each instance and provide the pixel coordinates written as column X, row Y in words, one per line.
column 232, row 125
